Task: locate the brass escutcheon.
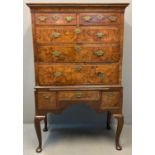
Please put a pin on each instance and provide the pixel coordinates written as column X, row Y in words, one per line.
column 87, row 18
column 110, row 94
column 113, row 18
column 100, row 34
column 69, row 18
column 78, row 68
column 99, row 53
column 100, row 75
column 42, row 18
column 46, row 97
column 100, row 17
column 56, row 53
column 78, row 95
column 56, row 35
column 77, row 31
column 55, row 17
column 58, row 74
column 77, row 48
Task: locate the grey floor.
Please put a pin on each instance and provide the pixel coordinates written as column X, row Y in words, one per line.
column 78, row 141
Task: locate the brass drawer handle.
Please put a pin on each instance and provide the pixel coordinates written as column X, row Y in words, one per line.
column 87, row 18
column 42, row 18
column 56, row 53
column 77, row 48
column 69, row 18
column 58, row 74
column 56, row 35
column 100, row 35
column 110, row 94
column 78, row 68
column 78, row 95
column 46, row 97
column 101, row 75
column 55, row 17
column 77, row 31
column 100, row 17
column 113, row 18
column 99, row 53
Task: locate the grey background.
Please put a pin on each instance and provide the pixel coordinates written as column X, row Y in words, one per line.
column 76, row 114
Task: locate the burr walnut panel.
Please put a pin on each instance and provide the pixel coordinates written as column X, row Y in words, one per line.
column 78, row 53
column 77, row 34
column 99, row 18
column 46, row 100
column 68, row 74
column 55, row 19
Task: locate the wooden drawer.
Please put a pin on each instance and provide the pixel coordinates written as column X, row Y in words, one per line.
column 46, row 100
column 77, row 35
column 79, row 53
column 78, row 96
column 111, row 99
column 68, row 74
column 99, row 18
column 55, row 19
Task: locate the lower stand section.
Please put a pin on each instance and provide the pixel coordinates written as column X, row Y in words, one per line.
column 120, row 122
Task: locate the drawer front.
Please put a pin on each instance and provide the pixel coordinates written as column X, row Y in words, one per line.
column 55, row 19
column 68, row 74
column 79, row 53
column 46, row 100
column 77, row 35
column 99, row 18
column 78, row 95
column 91, row 98
column 111, row 99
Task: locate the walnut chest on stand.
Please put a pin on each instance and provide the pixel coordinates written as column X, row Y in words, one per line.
column 78, row 51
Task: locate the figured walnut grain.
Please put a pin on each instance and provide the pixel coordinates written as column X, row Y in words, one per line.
column 68, row 35
column 88, row 74
column 86, row 53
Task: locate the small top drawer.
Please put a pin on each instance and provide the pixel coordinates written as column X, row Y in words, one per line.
column 111, row 99
column 46, row 100
column 99, row 18
column 55, row 19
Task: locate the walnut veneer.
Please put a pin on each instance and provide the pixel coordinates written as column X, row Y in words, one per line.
column 78, row 51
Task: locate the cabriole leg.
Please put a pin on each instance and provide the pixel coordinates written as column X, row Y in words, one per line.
column 120, row 122
column 38, row 131
column 45, row 124
column 108, row 120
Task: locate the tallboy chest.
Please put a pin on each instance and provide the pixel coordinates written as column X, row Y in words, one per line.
column 78, row 51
